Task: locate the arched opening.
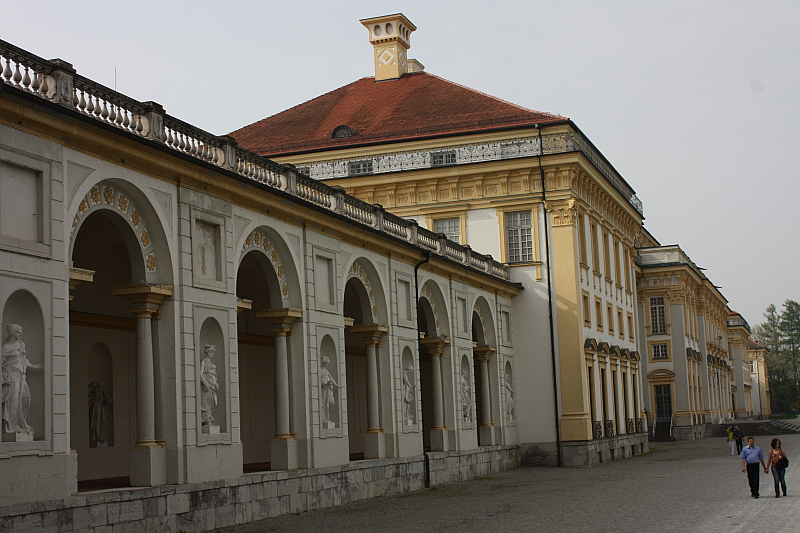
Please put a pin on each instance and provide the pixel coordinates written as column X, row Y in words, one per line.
column 427, row 327
column 103, row 352
column 23, row 404
column 357, row 312
column 257, row 289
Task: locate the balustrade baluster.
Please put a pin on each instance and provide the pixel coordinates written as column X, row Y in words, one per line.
column 97, row 109
column 37, row 82
column 118, row 111
column 82, row 103
column 139, row 126
column 90, row 105
column 17, row 74
column 45, row 89
column 26, row 79
column 104, row 113
column 126, row 121
column 7, row 71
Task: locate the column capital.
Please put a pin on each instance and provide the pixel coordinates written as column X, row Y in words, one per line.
column 370, row 333
column 143, row 293
column 483, row 351
column 281, row 320
column 78, row 276
column 243, row 305
column 435, row 345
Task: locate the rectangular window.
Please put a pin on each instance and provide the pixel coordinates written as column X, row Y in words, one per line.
column 443, row 158
column 617, row 269
column 751, row 367
column 20, row 203
column 358, row 168
column 519, row 237
column 450, row 227
column 587, row 311
column 620, row 324
column 582, row 238
column 595, row 249
column 630, row 327
column 606, row 256
column 610, row 313
column 660, row 351
column 598, row 312
column 658, row 320
column 627, row 269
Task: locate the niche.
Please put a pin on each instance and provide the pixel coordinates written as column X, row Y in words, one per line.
column 212, row 404
column 409, row 387
column 100, row 371
column 466, row 391
column 329, row 384
column 23, row 309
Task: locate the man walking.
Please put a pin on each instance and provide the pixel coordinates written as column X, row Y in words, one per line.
column 751, row 456
column 739, row 436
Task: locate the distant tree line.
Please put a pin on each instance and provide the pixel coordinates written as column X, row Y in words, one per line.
column 780, row 333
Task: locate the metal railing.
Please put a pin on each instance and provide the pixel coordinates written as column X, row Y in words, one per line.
column 57, row 82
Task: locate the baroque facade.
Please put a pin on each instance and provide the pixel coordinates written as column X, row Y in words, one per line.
column 526, row 187
column 184, row 316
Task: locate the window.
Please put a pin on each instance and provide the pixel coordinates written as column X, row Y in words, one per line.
column 582, row 238
column 606, row 256
column 358, row 168
column 630, row 327
column 598, row 312
column 610, row 312
column 660, row 351
column 595, row 249
column 627, row 268
column 620, row 324
column 342, row 131
column 617, row 269
column 751, row 367
column 587, row 311
column 658, row 321
column 518, row 233
column 450, row 227
column 443, row 158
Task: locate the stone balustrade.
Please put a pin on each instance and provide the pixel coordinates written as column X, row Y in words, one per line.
column 57, row 82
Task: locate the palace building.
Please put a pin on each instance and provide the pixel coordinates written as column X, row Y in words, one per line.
column 401, row 283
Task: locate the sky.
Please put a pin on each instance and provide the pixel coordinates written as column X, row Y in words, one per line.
column 696, row 104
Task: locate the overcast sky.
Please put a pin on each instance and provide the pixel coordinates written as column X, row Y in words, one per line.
column 696, row 104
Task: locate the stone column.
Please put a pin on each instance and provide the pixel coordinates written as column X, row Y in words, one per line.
column 439, row 441
column 148, row 458
column 374, row 441
column 486, row 431
column 283, row 449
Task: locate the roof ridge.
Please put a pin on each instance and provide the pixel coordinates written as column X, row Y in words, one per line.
column 523, row 108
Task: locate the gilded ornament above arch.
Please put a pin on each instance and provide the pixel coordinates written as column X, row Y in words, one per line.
column 258, row 240
column 357, row 271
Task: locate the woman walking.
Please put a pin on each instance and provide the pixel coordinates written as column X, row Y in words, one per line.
column 778, row 466
column 731, row 440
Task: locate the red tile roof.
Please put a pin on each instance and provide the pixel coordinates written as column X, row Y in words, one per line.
column 753, row 345
column 414, row 106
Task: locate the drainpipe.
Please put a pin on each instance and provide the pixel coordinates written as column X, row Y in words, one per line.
column 550, row 304
column 419, row 351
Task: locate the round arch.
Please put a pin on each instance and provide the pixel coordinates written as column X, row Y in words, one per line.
column 370, row 290
column 482, row 315
column 431, row 292
column 274, row 256
column 138, row 222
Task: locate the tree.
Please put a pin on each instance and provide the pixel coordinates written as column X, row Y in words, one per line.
column 780, row 333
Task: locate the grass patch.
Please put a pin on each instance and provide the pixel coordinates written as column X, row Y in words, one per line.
column 782, row 416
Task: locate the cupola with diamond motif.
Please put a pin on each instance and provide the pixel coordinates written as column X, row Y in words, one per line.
column 390, row 36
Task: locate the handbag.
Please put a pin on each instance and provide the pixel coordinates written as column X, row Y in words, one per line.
column 783, row 462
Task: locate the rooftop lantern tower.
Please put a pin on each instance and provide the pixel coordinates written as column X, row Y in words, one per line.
column 390, row 36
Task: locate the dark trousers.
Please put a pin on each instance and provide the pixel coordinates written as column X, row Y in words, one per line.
column 779, row 475
column 739, row 446
column 752, row 477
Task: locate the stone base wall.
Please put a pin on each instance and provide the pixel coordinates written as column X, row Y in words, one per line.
column 689, row 432
column 198, row 507
column 540, row 454
column 592, row 452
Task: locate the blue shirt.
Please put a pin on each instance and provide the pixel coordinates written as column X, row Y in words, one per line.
column 752, row 455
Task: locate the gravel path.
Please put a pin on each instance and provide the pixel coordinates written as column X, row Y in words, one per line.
column 678, row 486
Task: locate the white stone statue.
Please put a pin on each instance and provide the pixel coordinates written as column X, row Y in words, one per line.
column 510, row 395
column 327, row 384
column 208, row 385
column 408, row 395
column 466, row 396
column 98, row 399
column 16, row 394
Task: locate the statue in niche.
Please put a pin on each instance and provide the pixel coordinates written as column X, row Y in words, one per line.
column 16, row 394
column 408, row 395
column 466, row 396
column 327, row 384
column 98, row 399
column 510, row 394
column 208, row 385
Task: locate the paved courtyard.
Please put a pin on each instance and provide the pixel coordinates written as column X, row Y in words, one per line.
column 678, row 486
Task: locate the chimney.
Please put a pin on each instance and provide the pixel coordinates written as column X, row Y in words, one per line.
column 390, row 36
